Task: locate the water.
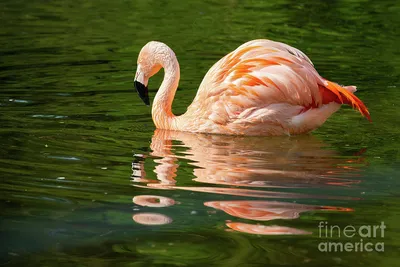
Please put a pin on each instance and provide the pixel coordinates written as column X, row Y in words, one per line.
column 87, row 181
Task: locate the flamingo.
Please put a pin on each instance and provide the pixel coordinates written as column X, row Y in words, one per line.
column 261, row 88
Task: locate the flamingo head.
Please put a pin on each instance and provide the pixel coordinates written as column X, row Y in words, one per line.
column 148, row 65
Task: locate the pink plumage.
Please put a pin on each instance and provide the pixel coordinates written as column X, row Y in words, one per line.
column 261, row 88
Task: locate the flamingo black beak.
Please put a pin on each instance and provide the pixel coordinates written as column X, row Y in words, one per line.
column 143, row 92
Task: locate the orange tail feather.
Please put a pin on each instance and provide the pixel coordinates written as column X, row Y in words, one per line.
column 338, row 94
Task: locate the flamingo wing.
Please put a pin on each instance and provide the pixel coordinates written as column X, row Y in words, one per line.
column 261, row 73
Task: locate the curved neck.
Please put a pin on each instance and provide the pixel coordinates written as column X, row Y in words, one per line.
column 162, row 105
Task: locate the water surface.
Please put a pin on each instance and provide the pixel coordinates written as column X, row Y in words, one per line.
column 88, row 181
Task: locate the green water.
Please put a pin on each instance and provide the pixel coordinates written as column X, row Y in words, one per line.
column 77, row 144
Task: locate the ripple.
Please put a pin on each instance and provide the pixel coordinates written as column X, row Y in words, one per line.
column 20, row 101
column 64, row 158
column 49, row 116
column 256, row 193
column 184, row 248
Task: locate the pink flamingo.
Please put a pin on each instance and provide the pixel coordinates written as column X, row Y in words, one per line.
column 261, row 88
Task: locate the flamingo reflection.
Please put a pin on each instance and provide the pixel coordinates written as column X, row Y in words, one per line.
column 258, row 229
column 256, row 162
column 246, row 166
column 151, row 218
column 266, row 210
column 153, row 201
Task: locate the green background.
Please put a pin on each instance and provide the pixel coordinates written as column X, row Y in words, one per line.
column 72, row 129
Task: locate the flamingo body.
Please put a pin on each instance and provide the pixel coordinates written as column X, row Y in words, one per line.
column 261, row 88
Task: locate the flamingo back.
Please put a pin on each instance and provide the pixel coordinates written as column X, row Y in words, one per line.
column 265, row 83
